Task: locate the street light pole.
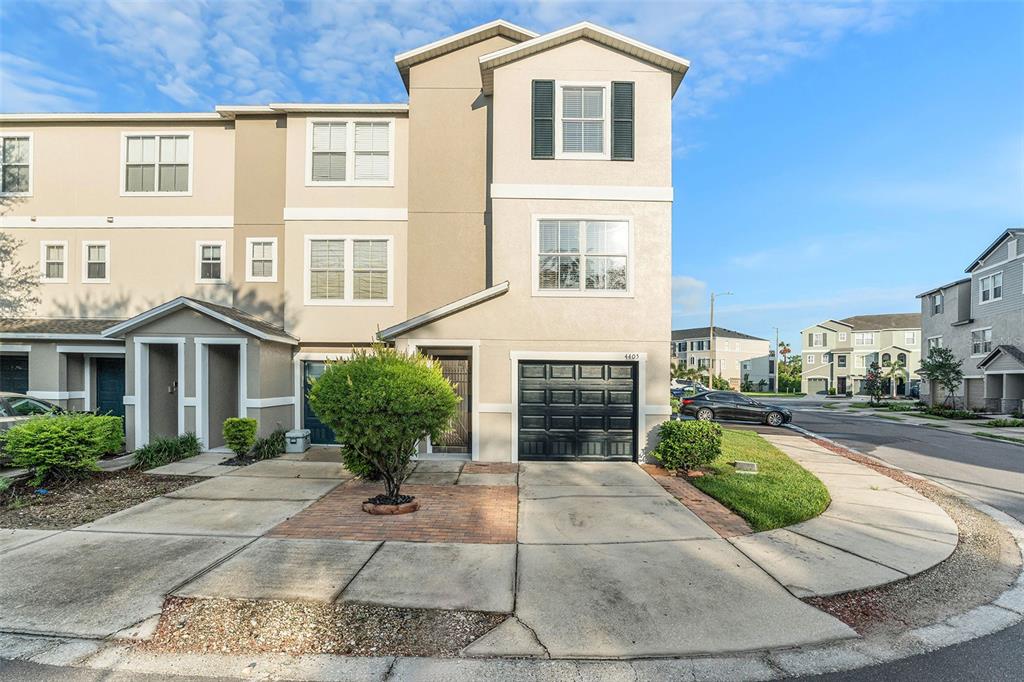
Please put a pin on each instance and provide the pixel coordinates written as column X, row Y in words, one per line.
column 775, row 376
column 711, row 335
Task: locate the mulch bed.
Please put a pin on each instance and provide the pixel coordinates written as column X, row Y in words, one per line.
column 984, row 564
column 73, row 503
column 249, row 626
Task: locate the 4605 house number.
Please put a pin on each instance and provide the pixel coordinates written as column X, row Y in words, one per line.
column 632, row 356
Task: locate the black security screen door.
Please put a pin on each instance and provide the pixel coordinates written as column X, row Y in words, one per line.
column 577, row 410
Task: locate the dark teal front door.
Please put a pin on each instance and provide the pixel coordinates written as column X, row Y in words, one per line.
column 110, row 386
column 319, row 433
column 14, row 373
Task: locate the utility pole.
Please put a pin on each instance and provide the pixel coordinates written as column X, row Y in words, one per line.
column 711, row 335
column 775, row 377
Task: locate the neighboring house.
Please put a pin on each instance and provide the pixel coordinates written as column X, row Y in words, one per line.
column 512, row 219
column 838, row 353
column 981, row 319
column 692, row 348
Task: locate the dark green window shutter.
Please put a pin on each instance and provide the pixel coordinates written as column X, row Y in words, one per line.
column 543, row 119
column 622, row 121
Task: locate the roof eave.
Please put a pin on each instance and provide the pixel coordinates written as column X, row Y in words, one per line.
column 122, row 328
column 444, row 311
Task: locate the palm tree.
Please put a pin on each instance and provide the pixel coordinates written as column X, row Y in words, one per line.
column 784, row 350
column 894, row 372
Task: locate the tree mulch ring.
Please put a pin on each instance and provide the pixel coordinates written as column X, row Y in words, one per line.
column 72, row 503
column 250, row 626
column 396, row 500
column 382, row 505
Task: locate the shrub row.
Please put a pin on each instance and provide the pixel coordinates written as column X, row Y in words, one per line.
column 161, row 451
column 271, row 446
column 949, row 413
column 687, row 445
column 63, row 447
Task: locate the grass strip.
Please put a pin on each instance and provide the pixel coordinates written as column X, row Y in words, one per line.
column 999, row 436
column 780, row 494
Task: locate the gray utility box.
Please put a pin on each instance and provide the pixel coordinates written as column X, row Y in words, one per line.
column 296, row 440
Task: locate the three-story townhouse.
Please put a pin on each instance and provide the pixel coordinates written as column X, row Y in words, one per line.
column 838, row 353
column 981, row 319
column 739, row 357
column 513, row 220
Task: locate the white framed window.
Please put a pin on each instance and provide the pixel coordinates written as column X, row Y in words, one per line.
column 346, row 151
column 991, row 288
column 53, row 261
column 910, row 338
column 156, row 164
column 16, row 164
column 261, row 259
column 864, row 339
column 934, row 342
column 583, row 131
column 582, row 256
column 809, row 359
column 210, row 262
column 938, row 303
column 843, row 337
column 841, row 361
column 817, row 339
column 96, row 262
column 349, row 270
column 861, row 361
column 981, row 341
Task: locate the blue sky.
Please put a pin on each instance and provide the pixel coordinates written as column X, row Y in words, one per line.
column 831, row 159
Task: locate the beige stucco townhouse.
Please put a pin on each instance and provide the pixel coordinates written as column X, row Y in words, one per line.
column 512, row 219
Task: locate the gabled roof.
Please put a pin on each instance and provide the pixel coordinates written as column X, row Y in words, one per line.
column 1014, row 352
column 676, row 65
column 82, row 328
column 992, row 247
column 444, row 311
column 498, row 27
column 703, row 332
column 885, row 321
column 239, row 319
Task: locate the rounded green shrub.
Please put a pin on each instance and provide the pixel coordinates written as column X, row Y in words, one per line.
column 687, row 445
column 239, row 434
column 380, row 404
column 63, row 447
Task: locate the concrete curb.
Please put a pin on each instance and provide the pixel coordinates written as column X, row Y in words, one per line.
column 1003, row 612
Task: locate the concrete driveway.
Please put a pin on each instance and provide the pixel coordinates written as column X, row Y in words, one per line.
column 610, row 565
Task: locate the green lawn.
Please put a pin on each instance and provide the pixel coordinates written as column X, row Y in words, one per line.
column 780, row 494
column 1003, row 423
column 999, row 436
column 925, row 415
column 890, row 417
column 937, row 426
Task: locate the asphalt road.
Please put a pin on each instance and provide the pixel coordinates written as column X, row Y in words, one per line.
column 988, row 471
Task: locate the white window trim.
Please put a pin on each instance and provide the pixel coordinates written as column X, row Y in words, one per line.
column 809, row 359
column 350, row 153
column 223, row 261
column 85, row 261
column 981, row 288
column 862, row 334
column 249, row 241
column 582, row 292
column 843, row 336
column 31, row 161
column 348, row 300
column 606, row 130
column 42, row 262
column 927, row 345
column 910, row 337
column 165, row 133
column 984, row 353
column 817, row 339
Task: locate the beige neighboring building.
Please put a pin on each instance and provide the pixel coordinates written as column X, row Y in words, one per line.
column 838, row 353
column 512, row 219
column 738, row 356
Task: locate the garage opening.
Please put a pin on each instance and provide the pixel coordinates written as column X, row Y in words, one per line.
column 584, row 411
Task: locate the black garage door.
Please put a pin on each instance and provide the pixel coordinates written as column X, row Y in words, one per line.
column 577, row 410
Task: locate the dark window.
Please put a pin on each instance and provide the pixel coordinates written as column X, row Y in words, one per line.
column 842, row 360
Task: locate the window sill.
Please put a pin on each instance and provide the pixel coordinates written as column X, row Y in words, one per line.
column 16, row 194
column 348, row 303
column 353, row 183
column 261, row 280
column 539, row 293
column 156, row 194
column 583, row 156
column 211, row 281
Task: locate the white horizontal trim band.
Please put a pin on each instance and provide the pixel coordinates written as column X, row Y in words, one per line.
column 190, row 402
column 117, row 350
column 53, row 337
column 270, row 402
column 128, row 400
column 584, row 192
column 57, row 395
column 119, row 222
column 15, row 348
column 658, row 410
column 342, row 213
column 496, row 407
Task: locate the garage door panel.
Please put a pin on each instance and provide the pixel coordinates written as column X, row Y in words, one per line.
column 577, row 410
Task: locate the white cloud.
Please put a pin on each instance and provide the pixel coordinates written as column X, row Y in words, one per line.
column 26, row 85
column 688, row 294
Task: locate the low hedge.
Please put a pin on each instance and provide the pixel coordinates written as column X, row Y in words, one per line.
column 161, row 451
column 63, row 447
column 271, row 446
column 949, row 413
column 687, row 445
column 239, row 434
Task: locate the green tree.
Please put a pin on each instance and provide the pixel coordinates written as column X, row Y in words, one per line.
column 942, row 367
column 894, row 372
column 873, row 384
column 381, row 403
column 18, row 295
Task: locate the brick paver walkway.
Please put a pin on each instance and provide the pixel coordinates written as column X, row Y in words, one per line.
column 712, row 512
column 490, row 468
column 447, row 513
